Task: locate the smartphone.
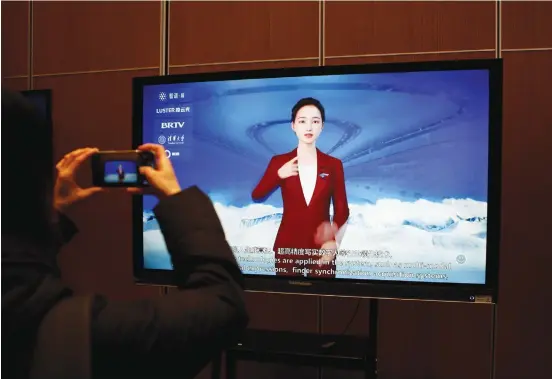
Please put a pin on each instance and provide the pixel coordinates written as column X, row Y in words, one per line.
column 120, row 168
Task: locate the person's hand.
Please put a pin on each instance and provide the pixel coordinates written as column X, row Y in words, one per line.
column 325, row 236
column 325, row 232
column 162, row 179
column 289, row 169
column 66, row 189
column 329, row 249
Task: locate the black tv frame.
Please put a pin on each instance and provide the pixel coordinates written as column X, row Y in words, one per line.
column 475, row 293
column 46, row 95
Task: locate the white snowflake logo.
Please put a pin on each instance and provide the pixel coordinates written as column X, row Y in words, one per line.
column 162, row 96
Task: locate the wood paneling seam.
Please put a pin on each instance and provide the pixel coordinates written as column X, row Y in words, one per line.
column 410, row 53
column 498, row 28
column 30, row 41
column 493, row 339
column 162, row 38
column 167, row 37
column 528, row 49
column 322, row 32
column 95, row 71
column 244, row 62
column 16, row 77
column 320, row 326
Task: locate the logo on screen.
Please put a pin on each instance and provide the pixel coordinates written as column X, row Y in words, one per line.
column 174, row 95
column 175, row 139
column 172, row 154
column 162, row 96
column 182, row 109
column 172, row 125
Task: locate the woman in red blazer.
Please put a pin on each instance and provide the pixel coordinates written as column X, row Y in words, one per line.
column 309, row 179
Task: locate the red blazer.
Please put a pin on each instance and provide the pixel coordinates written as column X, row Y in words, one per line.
column 299, row 221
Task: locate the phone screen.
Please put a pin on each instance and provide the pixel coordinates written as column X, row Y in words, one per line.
column 120, row 168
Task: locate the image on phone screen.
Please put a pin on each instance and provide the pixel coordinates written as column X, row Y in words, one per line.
column 120, row 172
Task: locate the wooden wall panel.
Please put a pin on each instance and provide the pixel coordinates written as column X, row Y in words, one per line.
column 277, row 312
column 295, row 313
column 92, row 36
column 225, row 31
column 417, row 340
column 377, row 27
column 423, row 340
column 526, row 24
column 16, row 84
column 15, row 38
column 95, row 110
column 339, row 312
column 524, row 329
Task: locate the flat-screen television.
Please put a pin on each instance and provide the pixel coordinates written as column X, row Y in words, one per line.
column 42, row 101
column 377, row 180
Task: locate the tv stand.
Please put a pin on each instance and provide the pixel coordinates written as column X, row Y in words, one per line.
column 305, row 349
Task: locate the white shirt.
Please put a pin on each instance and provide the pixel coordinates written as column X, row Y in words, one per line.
column 307, row 176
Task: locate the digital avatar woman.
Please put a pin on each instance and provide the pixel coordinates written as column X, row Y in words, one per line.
column 121, row 173
column 306, row 243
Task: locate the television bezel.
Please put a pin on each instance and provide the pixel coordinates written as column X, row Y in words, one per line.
column 456, row 292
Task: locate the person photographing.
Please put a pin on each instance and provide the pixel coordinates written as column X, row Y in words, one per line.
column 170, row 336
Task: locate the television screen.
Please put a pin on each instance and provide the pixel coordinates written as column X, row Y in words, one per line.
column 357, row 174
column 42, row 101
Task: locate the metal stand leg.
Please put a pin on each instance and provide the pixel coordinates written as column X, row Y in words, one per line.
column 320, row 325
column 372, row 370
column 230, row 366
column 493, row 340
column 215, row 367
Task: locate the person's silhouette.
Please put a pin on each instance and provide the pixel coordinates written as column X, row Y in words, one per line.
column 310, row 182
column 170, row 336
column 121, row 173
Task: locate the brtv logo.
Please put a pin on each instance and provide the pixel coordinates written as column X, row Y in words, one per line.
column 172, row 125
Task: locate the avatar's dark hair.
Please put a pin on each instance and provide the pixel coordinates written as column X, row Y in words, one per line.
column 26, row 171
column 308, row 101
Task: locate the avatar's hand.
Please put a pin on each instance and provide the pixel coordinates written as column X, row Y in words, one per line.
column 330, row 253
column 289, row 168
column 66, row 189
column 325, row 232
